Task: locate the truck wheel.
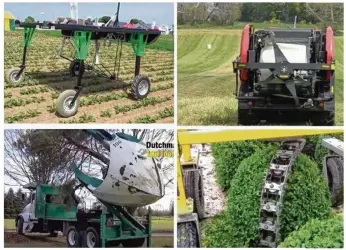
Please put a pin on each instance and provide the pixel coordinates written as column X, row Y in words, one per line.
column 335, row 172
column 92, row 238
column 71, row 237
column 187, row 235
column 63, row 107
column 11, row 76
column 133, row 242
column 140, row 87
column 194, row 189
column 19, row 227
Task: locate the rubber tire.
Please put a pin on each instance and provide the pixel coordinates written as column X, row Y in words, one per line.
column 60, row 103
column 193, row 185
column 20, row 223
column 134, row 87
column 9, row 76
column 133, row 242
column 335, row 171
column 72, row 69
column 187, row 235
column 97, row 236
column 76, row 239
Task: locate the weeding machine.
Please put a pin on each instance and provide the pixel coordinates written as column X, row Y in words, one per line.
column 80, row 36
column 286, row 73
column 190, row 194
column 130, row 180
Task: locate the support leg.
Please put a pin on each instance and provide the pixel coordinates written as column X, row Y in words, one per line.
column 137, row 65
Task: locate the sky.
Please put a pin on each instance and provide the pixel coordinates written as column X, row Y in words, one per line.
column 161, row 13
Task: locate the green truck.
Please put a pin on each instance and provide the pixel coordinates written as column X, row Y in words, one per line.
column 52, row 209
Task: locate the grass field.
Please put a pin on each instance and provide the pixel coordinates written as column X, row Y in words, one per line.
column 206, row 82
column 102, row 100
column 159, row 224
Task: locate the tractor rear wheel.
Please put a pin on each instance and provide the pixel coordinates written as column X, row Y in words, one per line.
column 187, row 235
column 193, row 183
column 335, row 171
column 133, row 242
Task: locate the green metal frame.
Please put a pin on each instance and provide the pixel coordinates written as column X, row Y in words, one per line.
column 138, row 42
column 122, row 228
column 82, row 40
column 28, row 34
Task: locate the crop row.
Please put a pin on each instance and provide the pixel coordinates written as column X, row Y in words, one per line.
column 22, row 116
column 167, row 112
column 17, row 102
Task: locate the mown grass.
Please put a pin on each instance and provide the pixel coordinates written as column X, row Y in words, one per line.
column 263, row 25
column 206, row 82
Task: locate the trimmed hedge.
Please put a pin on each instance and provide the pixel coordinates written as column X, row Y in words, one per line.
column 317, row 234
column 306, row 197
column 228, row 156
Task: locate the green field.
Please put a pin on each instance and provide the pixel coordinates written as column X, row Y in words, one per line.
column 102, row 100
column 206, row 82
column 159, row 224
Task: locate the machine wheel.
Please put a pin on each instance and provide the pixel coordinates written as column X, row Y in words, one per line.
column 76, row 68
column 325, row 119
column 71, row 237
column 92, row 238
column 187, row 235
column 140, row 87
column 133, row 242
column 193, row 184
column 335, row 173
column 19, row 227
column 63, row 103
column 11, row 76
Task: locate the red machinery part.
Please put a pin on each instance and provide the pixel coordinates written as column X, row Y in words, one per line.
column 244, row 48
column 129, row 26
column 330, row 52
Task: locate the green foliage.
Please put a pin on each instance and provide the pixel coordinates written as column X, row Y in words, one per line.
column 104, row 19
column 317, row 234
column 29, row 19
column 314, row 149
column 229, row 155
column 240, row 222
column 305, row 184
column 239, row 226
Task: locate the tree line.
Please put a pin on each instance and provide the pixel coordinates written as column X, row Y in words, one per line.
column 230, row 13
column 14, row 202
